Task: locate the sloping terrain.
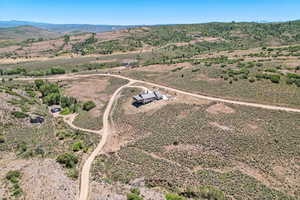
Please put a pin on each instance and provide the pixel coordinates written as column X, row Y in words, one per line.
column 182, row 146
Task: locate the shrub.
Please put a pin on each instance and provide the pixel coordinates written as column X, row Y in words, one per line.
column 275, row 78
column 68, row 160
column 211, row 193
column 65, row 111
column 62, row 135
column 171, row 196
column 252, row 80
column 13, row 176
column 2, row 139
column 73, row 173
column 89, row 105
column 135, row 191
column 52, row 99
column 19, row 115
column 77, row 146
column 56, row 70
column 133, row 196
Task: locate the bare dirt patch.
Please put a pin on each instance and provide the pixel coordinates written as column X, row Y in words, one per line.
column 88, row 89
column 119, row 191
column 220, row 108
column 253, row 126
column 162, row 68
column 203, row 77
column 183, row 147
column 104, row 61
column 222, row 127
column 41, row 179
column 174, row 98
column 122, row 134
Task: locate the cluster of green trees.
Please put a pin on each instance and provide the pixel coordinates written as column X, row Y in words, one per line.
column 275, row 78
column 171, row 53
column 51, row 95
column 162, row 35
column 68, row 160
column 293, row 79
column 127, row 44
column 22, row 71
column 13, row 71
column 85, row 47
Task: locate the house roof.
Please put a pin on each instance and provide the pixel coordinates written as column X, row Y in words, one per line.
column 148, row 95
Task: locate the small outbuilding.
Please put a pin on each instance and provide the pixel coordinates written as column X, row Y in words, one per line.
column 37, row 120
column 147, row 97
column 55, row 109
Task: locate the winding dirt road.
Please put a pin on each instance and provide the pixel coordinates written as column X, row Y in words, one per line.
column 106, row 131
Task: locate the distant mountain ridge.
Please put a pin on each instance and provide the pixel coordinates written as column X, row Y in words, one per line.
column 26, row 32
column 65, row 28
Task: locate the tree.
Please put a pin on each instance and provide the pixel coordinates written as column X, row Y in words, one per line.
column 68, row 160
column 39, row 83
column 66, row 39
column 89, row 105
column 52, row 99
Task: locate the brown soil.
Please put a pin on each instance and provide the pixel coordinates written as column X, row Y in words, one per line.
column 154, row 106
column 89, row 89
column 183, row 147
column 222, row 127
column 119, row 191
column 205, row 78
column 162, row 68
column 220, row 108
column 122, row 134
column 252, row 126
column 41, row 179
column 104, row 61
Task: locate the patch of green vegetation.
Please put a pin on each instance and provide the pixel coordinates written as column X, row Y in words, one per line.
column 134, row 194
column 171, row 196
column 68, row 160
column 89, row 105
column 19, row 115
column 77, row 146
column 14, row 179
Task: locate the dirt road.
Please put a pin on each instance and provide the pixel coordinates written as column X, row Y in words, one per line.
column 106, row 131
column 69, row 120
column 264, row 106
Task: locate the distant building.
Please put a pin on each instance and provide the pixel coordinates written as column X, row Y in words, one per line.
column 37, row 120
column 147, row 97
column 55, row 109
column 129, row 62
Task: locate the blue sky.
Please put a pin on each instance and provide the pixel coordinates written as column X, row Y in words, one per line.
column 148, row 11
